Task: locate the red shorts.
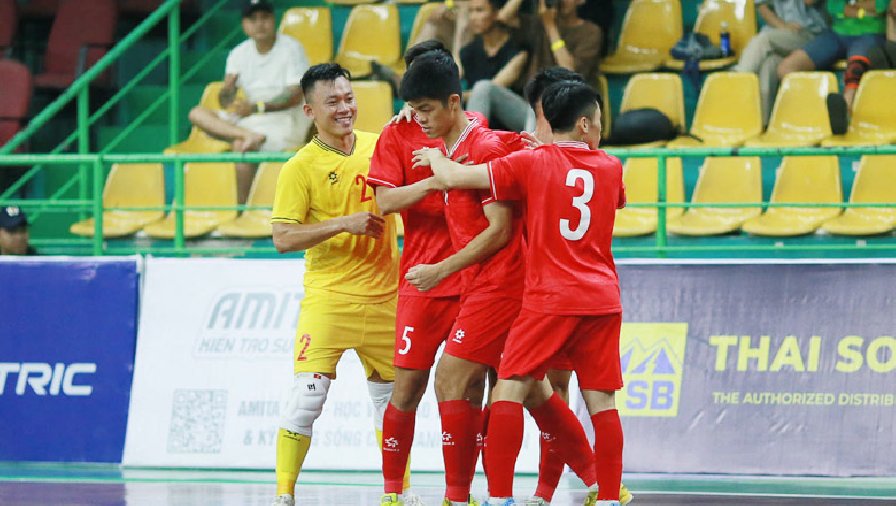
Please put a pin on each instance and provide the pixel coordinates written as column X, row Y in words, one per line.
column 481, row 328
column 421, row 325
column 561, row 362
column 590, row 342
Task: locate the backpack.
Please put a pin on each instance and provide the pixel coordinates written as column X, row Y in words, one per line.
column 638, row 126
column 696, row 46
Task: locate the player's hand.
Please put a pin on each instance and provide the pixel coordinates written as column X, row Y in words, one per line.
column 242, row 108
column 530, row 140
column 405, row 114
column 425, row 156
column 425, row 277
column 364, row 223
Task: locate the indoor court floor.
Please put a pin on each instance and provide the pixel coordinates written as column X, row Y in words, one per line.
column 78, row 484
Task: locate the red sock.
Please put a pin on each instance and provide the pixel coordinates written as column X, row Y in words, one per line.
column 569, row 441
column 550, row 467
column 505, row 438
column 485, row 415
column 475, row 415
column 457, row 447
column 608, row 453
column 398, row 436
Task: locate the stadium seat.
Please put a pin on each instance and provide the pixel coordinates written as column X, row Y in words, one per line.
column 874, row 183
column 606, row 114
column 371, row 33
column 661, row 91
column 649, row 30
column 349, row 2
column 728, row 112
column 15, row 98
column 198, row 141
column 313, row 28
column 722, row 180
column 801, row 179
column 374, row 100
column 873, row 119
column 205, row 185
column 423, row 14
column 72, row 49
column 256, row 223
column 128, row 185
column 640, row 177
column 741, row 18
column 799, row 117
column 9, row 21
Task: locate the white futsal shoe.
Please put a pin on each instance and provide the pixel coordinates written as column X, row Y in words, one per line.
column 284, row 500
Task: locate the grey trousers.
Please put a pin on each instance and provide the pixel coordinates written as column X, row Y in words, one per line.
column 763, row 54
column 498, row 103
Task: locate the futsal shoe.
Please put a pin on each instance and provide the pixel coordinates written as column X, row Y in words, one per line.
column 391, row 500
column 499, row 502
column 625, row 497
column 536, row 501
column 471, row 502
column 284, row 500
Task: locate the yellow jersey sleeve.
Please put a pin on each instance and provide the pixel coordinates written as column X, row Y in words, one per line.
column 292, row 198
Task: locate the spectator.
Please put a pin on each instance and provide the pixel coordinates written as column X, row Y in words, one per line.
column 884, row 57
column 447, row 24
column 493, row 65
column 14, row 232
column 567, row 40
column 789, row 25
column 268, row 67
column 857, row 27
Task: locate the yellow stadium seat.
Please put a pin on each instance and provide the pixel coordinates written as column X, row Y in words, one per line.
column 423, row 14
column 875, row 183
column 374, row 100
column 256, row 223
column 873, row 119
column 606, row 114
column 800, row 116
column 199, row 141
column 313, row 28
column 650, row 29
column 350, row 2
column 722, row 180
column 741, row 18
column 371, row 33
column 205, row 185
column 128, row 185
column 728, row 112
column 661, row 91
column 801, row 179
column 640, row 177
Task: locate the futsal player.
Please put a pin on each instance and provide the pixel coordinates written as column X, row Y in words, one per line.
column 571, row 302
column 324, row 206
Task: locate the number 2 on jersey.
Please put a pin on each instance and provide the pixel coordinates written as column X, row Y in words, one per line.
column 580, row 203
column 361, row 180
column 305, row 340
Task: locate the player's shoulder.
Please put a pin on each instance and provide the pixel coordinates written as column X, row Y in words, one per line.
column 365, row 142
column 608, row 159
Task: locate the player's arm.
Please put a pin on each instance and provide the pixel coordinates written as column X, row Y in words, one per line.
column 290, row 237
column 393, row 200
column 495, row 236
column 451, row 174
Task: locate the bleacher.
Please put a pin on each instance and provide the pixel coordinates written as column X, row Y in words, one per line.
column 638, row 72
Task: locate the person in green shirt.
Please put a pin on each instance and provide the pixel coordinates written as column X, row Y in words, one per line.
column 857, row 27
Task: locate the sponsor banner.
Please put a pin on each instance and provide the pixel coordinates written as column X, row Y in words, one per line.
column 759, row 368
column 66, row 357
column 214, row 363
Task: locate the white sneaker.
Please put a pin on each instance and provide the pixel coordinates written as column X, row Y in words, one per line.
column 536, row 501
column 284, row 500
column 412, row 499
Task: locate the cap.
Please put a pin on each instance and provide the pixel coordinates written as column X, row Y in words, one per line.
column 12, row 217
column 253, row 6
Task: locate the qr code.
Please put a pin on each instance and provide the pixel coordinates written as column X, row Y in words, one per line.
column 197, row 421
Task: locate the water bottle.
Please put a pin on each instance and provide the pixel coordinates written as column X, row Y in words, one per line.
column 725, row 39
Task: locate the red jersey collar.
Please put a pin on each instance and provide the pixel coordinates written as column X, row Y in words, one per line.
column 463, row 136
column 572, row 144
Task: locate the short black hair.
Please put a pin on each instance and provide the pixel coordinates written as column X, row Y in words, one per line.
column 322, row 72
column 567, row 101
column 434, row 75
column 423, row 47
column 497, row 5
column 546, row 77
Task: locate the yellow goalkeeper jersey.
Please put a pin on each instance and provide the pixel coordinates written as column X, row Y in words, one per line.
column 320, row 183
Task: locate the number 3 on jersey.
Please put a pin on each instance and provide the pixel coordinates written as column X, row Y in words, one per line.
column 580, row 203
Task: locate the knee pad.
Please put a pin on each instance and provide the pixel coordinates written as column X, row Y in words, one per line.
column 305, row 403
column 380, row 393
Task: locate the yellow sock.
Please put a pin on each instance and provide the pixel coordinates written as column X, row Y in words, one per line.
column 407, row 470
column 291, row 451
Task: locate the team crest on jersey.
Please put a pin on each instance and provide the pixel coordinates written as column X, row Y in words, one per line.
column 333, row 177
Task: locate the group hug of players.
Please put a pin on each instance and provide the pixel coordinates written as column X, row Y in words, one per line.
column 506, row 261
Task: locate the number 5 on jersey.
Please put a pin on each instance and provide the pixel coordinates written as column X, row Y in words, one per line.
column 580, row 203
column 406, row 339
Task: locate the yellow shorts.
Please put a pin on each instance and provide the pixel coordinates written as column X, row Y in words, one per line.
column 327, row 328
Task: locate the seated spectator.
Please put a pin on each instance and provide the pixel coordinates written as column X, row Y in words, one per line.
column 448, row 25
column 856, row 28
column 789, row 25
column 563, row 38
column 493, row 65
column 268, row 67
column 14, row 232
column 884, row 57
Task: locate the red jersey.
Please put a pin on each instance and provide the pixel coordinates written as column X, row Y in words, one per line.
column 501, row 274
column 426, row 239
column 571, row 194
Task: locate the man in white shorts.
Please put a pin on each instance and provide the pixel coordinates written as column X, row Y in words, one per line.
column 267, row 67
